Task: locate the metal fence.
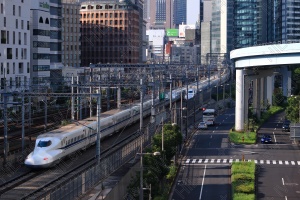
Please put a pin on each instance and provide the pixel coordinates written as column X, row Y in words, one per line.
column 83, row 182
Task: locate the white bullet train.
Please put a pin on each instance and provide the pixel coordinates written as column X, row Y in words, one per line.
column 51, row 147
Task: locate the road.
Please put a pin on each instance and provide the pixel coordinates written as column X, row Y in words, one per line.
column 205, row 170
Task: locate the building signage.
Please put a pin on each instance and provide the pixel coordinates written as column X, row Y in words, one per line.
column 44, row 5
column 183, row 27
column 172, row 32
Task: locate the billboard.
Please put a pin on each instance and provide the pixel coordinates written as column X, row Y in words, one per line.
column 172, row 32
column 183, row 27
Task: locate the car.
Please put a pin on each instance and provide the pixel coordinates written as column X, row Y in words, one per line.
column 202, row 125
column 266, row 139
column 286, row 126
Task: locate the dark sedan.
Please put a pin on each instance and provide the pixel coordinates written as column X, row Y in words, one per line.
column 266, row 139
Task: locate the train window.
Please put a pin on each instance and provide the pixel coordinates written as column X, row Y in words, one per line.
column 44, row 143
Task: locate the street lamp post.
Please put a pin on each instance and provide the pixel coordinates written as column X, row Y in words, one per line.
column 142, row 169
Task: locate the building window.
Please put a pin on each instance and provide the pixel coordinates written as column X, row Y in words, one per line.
column 2, row 8
column 41, row 20
column 4, row 21
column 19, row 11
column 25, row 38
column 27, row 25
column 22, row 24
column 14, row 68
column 47, row 21
column 3, row 37
column 14, row 10
column 14, row 37
column 19, row 38
column 17, row 53
column 16, row 23
column 7, row 68
column 9, row 53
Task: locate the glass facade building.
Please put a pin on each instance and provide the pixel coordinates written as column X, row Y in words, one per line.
column 179, row 12
column 245, row 23
column 287, row 20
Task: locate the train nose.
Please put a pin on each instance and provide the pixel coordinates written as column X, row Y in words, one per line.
column 37, row 161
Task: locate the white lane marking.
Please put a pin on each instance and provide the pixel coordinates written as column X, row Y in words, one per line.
column 200, row 161
column 194, row 161
column 280, row 162
column 261, row 161
column 237, row 160
column 187, row 161
column 274, row 162
column 286, row 162
column 225, row 161
column 249, row 160
column 206, row 161
column 285, row 198
column 212, row 161
column 282, row 181
column 219, row 160
column 230, row 160
column 255, row 161
column 293, row 162
column 202, row 183
column 268, row 161
column 274, row 138
column 274, row 129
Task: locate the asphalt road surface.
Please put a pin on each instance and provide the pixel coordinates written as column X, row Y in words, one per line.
column 205, row 169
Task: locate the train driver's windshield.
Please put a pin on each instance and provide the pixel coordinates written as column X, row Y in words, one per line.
column 44, row 143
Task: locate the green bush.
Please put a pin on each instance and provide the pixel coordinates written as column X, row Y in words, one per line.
column 243, row 180
column 243, row 177
column 244, row 187
column 242, row 196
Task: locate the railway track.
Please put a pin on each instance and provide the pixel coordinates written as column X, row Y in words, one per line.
column 32, row 184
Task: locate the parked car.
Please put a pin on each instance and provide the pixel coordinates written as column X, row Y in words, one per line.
column 202, row 125
column 266, row 139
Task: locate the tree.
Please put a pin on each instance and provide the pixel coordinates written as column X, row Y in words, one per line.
column 172, row 139
column 292, row 110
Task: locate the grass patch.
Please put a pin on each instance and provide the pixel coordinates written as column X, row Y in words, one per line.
column 243, row 180
column 249, row 137
column 242, row 196
column 237, row 137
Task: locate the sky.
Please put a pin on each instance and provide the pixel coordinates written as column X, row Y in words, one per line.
column 192, row 11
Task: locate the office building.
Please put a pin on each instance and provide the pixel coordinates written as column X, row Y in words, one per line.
column 15, row 45
column 46, row 39
column 179, row 12
column 112, row 32
column 71, row 52
column 161, row 14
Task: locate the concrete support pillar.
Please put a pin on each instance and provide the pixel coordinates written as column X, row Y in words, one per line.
column 262, row 88
column 247, row 82
column 240, row 104
column 286, row 81
column 256, row 97
column 270, row 89
column 265, row 99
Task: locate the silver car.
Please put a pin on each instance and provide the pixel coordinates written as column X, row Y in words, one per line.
column 202, row 125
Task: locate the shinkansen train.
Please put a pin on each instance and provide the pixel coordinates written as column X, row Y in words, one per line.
column 51, row 147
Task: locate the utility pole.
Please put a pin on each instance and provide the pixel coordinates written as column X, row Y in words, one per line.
column 141, row 136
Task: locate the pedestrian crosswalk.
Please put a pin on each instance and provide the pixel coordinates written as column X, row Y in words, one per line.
column 228, row 161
